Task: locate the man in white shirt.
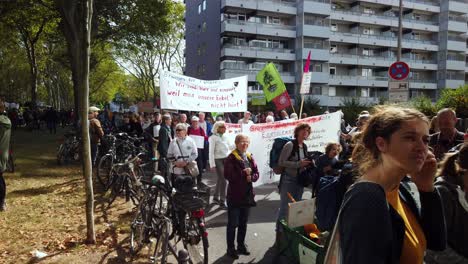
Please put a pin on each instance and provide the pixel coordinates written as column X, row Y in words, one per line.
column 246, row 119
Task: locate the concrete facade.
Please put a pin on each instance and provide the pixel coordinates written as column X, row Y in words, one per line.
column 352, row 44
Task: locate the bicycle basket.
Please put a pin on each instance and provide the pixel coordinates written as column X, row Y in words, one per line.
column 188, row 202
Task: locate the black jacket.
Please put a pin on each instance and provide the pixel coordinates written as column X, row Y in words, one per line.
column 456, row 217
column 165, row 135
column 371, row 231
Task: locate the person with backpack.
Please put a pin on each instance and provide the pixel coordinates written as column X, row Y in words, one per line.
column 452, row 184
column 292, row 160
column 388, row 217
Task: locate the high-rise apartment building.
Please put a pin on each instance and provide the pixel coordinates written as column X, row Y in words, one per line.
column 352, row 43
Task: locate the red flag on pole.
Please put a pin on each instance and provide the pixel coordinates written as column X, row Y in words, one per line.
column 282, row 101
column 306, row 66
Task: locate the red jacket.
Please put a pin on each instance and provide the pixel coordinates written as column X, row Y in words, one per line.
column 238, row 185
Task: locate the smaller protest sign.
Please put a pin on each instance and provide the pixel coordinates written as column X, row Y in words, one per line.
column 199, row 141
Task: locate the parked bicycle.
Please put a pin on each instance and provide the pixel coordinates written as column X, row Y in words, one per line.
column 69, row 150
column 167, row 218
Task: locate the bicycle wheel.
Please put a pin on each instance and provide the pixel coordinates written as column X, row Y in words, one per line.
column 196, row 241
column 161, row 232
column 104, row 169
column 60, row 155
column 116, row 188
column 137, row 235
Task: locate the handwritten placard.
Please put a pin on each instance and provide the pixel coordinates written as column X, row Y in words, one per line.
column 187, row 93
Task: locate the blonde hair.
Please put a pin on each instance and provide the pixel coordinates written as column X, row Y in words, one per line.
column 217, row 125
column 384, row 122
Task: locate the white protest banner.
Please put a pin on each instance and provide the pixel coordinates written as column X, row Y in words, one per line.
column 199, row 141
column 232, row 130
column 187, row 93
column 325, row 129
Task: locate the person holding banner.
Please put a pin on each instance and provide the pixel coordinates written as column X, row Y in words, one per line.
column 293, row 159
column 240, row 169
column 199, row 136
column 246, row 119
column 220, row 147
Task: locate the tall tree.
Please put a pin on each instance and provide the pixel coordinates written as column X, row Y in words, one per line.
column 31, row 20
column 76, row 23
column 144, row 58
column 106, row 20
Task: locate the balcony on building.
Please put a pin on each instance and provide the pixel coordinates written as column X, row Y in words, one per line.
column 255, row 51
column 458, row 6
column 383, row 39
column 314, row 27
column 456, row 43
column 430, row 84
column 423, row 5
column 276, row 6
column 321, row 7
column 256, row 28
column 457, row 23
column 236, row 69
column 456, row 62
column 389, row 19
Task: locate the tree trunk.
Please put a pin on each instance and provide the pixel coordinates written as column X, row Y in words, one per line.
column 76, row 26
column 84, row 100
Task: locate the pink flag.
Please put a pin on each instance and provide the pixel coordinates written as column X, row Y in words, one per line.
column 306, row 66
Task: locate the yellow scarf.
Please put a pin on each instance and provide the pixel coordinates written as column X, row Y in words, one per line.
column 238, row 156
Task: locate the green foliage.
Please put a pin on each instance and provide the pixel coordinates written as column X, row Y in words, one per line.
column 424, row 105
column 312, row 106
column 457, row 99
column 351, row 107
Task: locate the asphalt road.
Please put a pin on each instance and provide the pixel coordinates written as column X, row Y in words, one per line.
column 260, row 230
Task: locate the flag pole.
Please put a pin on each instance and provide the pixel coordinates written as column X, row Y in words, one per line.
column 305, row 70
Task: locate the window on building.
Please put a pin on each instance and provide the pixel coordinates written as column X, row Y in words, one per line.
column 366, row 72
column 204, row 5
column 416, row 35
column 333, row 48
column 365, row 92
column 316, row 90
column 199, row 9
column 334, row 27
column 332, row 70
column 199, row 50
column 204, row 27
column 367, row 52
column 368, row 10
column 416, row 75
column 317, row 67
column 241, row 17
column 368, row 31
column 331, row 91
column 416, row 16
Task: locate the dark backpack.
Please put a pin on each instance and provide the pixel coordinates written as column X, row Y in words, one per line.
column 330, row 194
column 278, row 144
column 327, row 202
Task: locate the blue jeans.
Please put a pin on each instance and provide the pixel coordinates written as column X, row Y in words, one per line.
column 289, row 184
column 237, row 218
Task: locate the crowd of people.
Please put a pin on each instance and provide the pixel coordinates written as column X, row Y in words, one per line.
column 406, row 203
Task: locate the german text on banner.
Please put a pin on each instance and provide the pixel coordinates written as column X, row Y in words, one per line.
column 187, row 93
column 271, row 82
column 325, row 129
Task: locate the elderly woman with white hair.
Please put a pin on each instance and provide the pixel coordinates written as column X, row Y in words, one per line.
column 182, row 150
column 220, row 147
